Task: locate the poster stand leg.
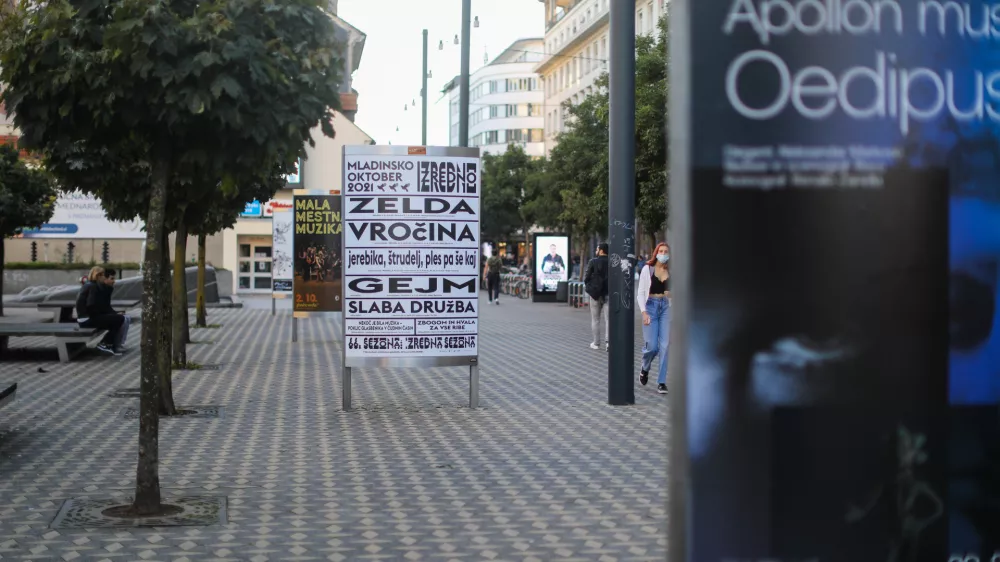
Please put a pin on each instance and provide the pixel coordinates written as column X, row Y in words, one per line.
column 474, row 385
column 346, row 389
column 295, row 329
column 274, row 305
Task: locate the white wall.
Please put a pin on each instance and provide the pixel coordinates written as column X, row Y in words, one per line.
column 322, row 167
column 321, row 170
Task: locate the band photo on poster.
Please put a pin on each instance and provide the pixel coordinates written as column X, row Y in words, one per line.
column 317, row 247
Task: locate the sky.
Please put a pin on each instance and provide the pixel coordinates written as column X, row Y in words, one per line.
column 389, row 75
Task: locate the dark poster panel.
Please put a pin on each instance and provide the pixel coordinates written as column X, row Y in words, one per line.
column 317, row 247
column 843, row 345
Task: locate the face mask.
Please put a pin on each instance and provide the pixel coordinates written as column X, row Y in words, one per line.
column 662, row 258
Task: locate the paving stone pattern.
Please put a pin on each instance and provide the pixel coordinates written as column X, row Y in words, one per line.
column 544, row 471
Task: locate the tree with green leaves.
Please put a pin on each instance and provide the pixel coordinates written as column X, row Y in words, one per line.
column 652, row 207
column 578, row 164
column 210, row 216
column 208, row 211
column 503, row 181
column 187, row 89
column 516, row 195
column 27, row 199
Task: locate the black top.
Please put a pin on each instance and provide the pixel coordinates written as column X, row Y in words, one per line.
column 94, row 300
column 102, row 303
column 596, row 277
column 657, row 287
column 85, row 299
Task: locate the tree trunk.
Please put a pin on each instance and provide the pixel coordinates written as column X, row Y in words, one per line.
column 147, row 472
column 167, row 407
column 201, row 319
column 180, row 295
column 2, row 242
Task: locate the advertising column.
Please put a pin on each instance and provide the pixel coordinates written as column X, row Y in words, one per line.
column 837, row 166
column 283, row 264
column 411, row 251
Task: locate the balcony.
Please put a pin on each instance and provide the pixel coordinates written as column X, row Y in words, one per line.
column 579, row 21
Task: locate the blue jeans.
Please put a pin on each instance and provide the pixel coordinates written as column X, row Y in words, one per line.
column 657, row 336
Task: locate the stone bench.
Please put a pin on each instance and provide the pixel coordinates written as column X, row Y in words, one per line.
column 7, row 392
column 70, row 339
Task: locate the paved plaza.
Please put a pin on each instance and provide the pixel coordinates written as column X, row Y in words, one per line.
column 545, row 470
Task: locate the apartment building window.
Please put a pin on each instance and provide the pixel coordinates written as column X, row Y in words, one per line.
column 640, row 25
column 494, row 111
column 652, row 16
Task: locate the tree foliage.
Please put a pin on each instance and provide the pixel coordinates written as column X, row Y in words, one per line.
column 578, row 165
column 507, row 193
column 153, row 98
column 27, row 199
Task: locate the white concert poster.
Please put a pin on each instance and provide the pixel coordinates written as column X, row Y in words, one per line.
column 282, row 272
column 411, row 254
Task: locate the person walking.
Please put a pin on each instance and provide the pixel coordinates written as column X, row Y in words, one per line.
column 595, row 281
column 491, row 275
column 653, row 296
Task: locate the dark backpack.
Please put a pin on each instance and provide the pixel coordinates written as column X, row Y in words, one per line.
column 596, row 283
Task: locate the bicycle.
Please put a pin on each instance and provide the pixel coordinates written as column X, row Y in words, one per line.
column 522, row 288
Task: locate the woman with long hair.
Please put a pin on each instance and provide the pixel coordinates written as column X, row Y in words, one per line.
column 653, row 296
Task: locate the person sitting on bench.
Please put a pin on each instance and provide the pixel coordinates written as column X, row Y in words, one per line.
column 106, row 291
column 89, row 313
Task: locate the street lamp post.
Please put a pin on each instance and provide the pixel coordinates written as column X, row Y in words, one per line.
column 621, row 204
column 463, row 81
column 423, row 96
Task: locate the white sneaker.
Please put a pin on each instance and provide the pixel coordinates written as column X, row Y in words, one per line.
column 594, row 346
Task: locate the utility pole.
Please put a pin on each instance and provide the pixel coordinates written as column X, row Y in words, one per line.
column 463, row 80
column 423, row 98
column 621, row 204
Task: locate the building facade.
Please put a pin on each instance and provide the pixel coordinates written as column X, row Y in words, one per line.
column 576, row 53
column 505, row 102
column 246, row 249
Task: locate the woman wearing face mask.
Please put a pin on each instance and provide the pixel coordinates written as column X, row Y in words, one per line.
column 653, row 296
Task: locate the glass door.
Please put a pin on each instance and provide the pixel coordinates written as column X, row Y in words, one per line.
column 245, row 267
column 262, row 268
column 254, row 275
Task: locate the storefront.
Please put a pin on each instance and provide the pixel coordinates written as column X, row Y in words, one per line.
column 247, row 248
column 254, row 269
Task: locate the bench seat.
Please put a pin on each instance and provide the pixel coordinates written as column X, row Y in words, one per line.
column 7, row 393
column 71, row 339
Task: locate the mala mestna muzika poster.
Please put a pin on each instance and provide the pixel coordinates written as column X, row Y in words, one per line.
column 318, row 263
column 842, row 343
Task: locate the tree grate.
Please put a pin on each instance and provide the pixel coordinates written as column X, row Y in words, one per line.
column 87, row 513
column 197, row 412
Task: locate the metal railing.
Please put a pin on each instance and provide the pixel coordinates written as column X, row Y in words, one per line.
column 516, row 285
column 578, row 297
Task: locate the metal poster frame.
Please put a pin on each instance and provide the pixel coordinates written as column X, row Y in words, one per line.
column 407, row 362
column 678, row 140
column 306, row 314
